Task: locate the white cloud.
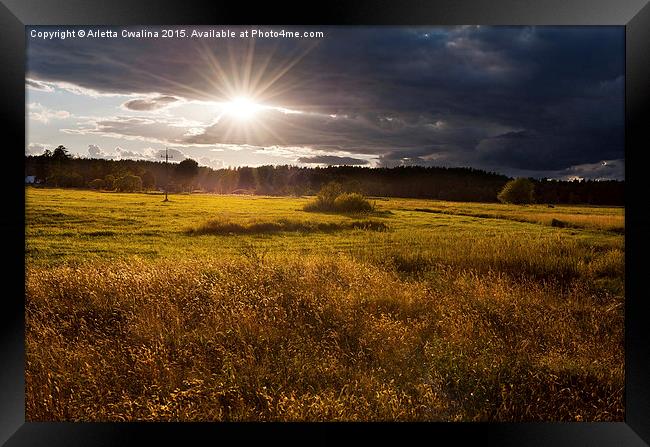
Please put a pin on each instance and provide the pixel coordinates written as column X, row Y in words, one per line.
column 151, row 129
column 127, row 154
column 70, row 87
column 40, row 113
column 173, row 154
column 95, row 151
column 37, row 148
column 213, row 163
column 148, row 153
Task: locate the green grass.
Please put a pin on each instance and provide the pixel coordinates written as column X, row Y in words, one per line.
column 248, row 308
column 64, row 225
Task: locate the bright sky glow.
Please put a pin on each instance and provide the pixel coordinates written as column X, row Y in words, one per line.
column 241, row 108
column 522, row 101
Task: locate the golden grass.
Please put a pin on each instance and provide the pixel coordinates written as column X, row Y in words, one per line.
column 316, row 338
column 450, row 316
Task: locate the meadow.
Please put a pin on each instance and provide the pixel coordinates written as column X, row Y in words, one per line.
column 249, row 308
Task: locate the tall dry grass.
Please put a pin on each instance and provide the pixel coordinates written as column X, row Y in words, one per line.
column 272, row 337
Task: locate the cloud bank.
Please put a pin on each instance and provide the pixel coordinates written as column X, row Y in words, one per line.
column 536, row 99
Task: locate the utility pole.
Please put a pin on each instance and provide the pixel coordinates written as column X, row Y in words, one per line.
column 167, row 157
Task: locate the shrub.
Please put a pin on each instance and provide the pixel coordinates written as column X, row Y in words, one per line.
column 331, row 197
column 128, row 183
column 352, row 202
column 329, row 192
column 317, row 205
column 518, row 191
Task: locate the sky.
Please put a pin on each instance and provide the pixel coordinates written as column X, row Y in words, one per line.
column 545, row 102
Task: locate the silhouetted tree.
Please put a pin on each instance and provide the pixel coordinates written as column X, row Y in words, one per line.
column 246, row 177
column 185, row 171
column 518, row 191
column 128, row 183
column 109, row 181
column 456, row 184
column 60, row 154
column 148, row 180
column 228, row 180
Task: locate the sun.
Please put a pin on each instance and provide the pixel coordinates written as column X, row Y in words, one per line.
column 241, row 108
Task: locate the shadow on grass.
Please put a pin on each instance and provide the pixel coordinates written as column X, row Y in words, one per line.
column 99, row 233
column 353, row 215
column 222, row 226
column 556, row 223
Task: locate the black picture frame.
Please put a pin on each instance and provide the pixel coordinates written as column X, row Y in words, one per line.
column 633, row 14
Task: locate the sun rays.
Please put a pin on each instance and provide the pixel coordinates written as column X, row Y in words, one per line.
column 241, row 108
column 250, row 90
column 244, row 84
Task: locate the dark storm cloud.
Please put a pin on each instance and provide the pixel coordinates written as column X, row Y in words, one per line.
column 360, row 133
column 148, row 104
column 542, row 99
column 332, row 160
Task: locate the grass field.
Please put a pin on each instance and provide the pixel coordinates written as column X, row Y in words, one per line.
column 248, row 308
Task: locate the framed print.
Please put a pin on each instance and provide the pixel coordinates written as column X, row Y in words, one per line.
column 370, row 218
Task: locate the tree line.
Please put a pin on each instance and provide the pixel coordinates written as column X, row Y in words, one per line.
column 58, row 169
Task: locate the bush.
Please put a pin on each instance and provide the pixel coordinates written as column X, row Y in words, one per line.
column 329, row 192
column 128, row 183
column 352, row 202
column 316, row 205
column 517, row 191
column 331, row 197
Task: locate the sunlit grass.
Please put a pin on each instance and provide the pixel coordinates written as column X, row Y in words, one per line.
column 64, row 225
column 447, row 316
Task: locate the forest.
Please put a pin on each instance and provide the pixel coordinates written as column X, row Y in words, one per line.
column 59, row 169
